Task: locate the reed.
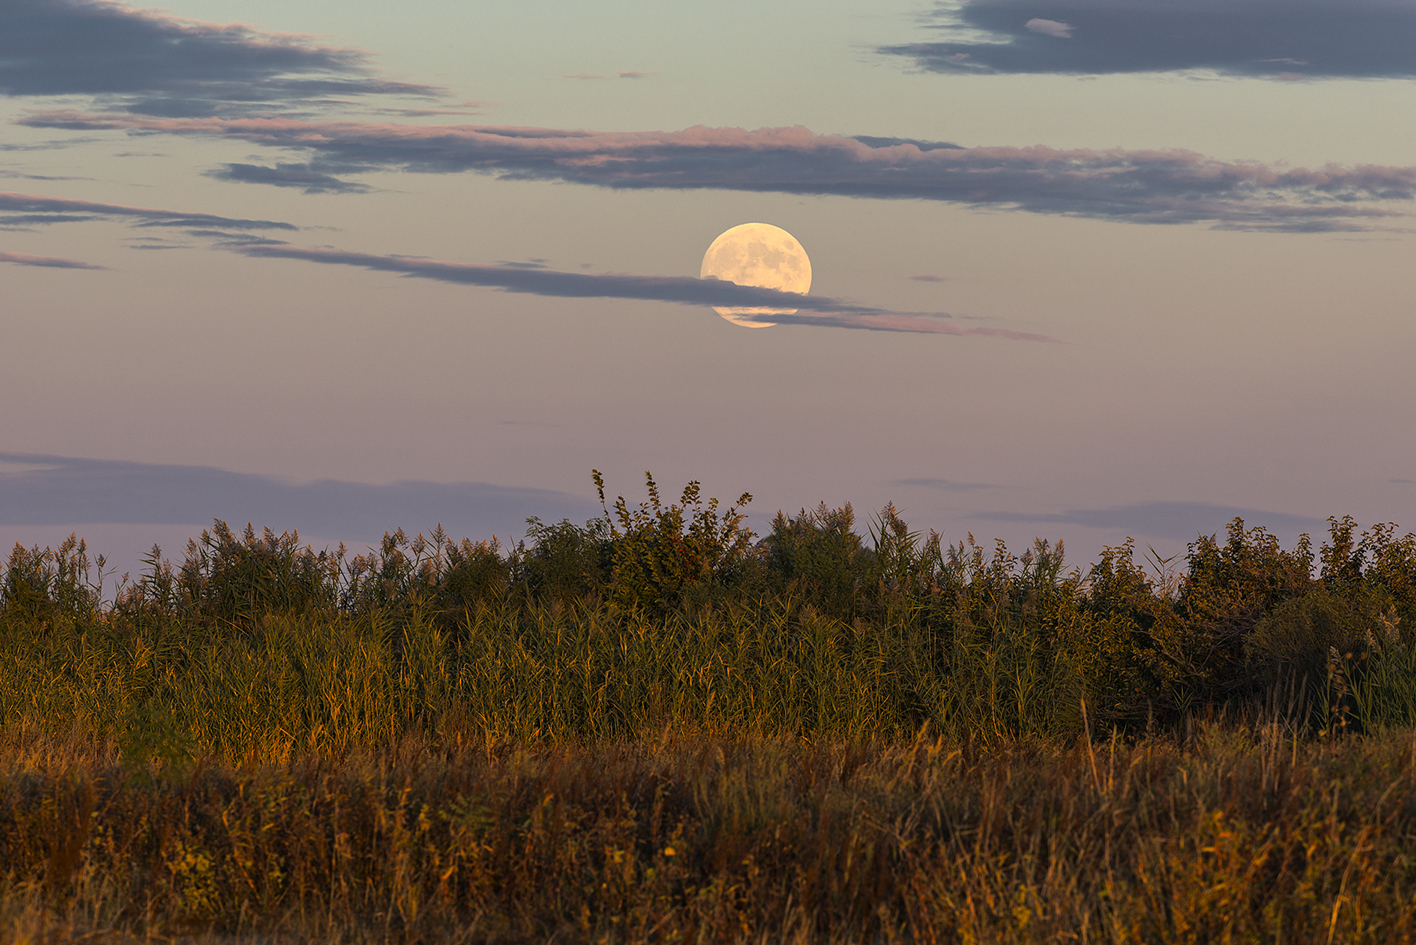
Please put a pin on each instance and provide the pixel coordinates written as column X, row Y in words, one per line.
column 657, row 727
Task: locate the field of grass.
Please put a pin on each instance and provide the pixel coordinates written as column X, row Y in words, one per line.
column 656, row 727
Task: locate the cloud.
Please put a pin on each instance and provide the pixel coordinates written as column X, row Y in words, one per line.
column 159, row 64
column 1265, row 38
column 1049, row 27
column 48, row 262
column 625, row 74
column 62, row 490
column 1159, row 186
column 1172, row 520
column 929, row 278
column 306, row 177
column 826, row 312
column 35, row 209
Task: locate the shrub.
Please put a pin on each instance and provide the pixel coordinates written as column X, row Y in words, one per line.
column 818, row 555
column 565, row 562
column 664, row 552
column 1227, row 591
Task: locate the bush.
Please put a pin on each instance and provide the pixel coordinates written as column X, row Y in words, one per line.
column 565, row 562
column 818, row 555
column 664, row 553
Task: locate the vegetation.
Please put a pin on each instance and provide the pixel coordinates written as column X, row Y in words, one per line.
column 656, row 727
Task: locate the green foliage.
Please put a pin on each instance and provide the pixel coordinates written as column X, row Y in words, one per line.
column 230, row 578
column 839, row 737
column 664, row 553
column 433, row 574
column 818, row 555
column 668, row 614
column 51, row 585
column 564, row 561
column 1228, row 590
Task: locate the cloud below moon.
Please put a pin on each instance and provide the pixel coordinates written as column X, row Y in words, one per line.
column 533, row 278
column 824, row 312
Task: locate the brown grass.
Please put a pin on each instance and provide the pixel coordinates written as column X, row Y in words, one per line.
column 1236, row 836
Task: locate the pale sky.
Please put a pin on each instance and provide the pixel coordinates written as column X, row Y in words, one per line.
column 352, row 266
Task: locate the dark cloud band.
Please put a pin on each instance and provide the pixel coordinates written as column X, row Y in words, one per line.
column 1272, row 38
column 64, row 490
column 33, row 209
column 824, row 312
column 165, row 65
column 307, row 177
column 1162, row 186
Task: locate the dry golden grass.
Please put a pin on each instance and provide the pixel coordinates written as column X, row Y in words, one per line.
column 1240, row 835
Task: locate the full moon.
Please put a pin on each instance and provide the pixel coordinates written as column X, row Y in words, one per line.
column 757, row 254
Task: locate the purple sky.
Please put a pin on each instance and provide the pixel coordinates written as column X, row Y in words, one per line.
column 1087, row 269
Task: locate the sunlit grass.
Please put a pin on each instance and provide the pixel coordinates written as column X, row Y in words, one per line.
column 654, row 728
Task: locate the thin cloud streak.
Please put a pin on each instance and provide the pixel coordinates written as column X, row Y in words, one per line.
column 46, row 262
column 1278, row 39
column 307, row 177
column 830, row 313
column 166, row 65
column 35, row 209
column 1159, row 186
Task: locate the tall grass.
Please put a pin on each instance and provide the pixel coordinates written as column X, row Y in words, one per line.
column 659, row 727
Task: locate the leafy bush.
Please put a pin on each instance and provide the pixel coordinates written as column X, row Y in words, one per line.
column 663, row 553
column 818, row 555
column 565, row 562
column 1228, row 590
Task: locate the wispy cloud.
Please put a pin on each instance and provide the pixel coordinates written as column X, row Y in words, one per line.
column 32, row 209
column 1160, row 186
column 159, row 64
column 46, row 262
column 1171, row 520
column 1269, row 38
column 307, row 177
column 929, row 278
column 623, row 74
column 824, row 312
